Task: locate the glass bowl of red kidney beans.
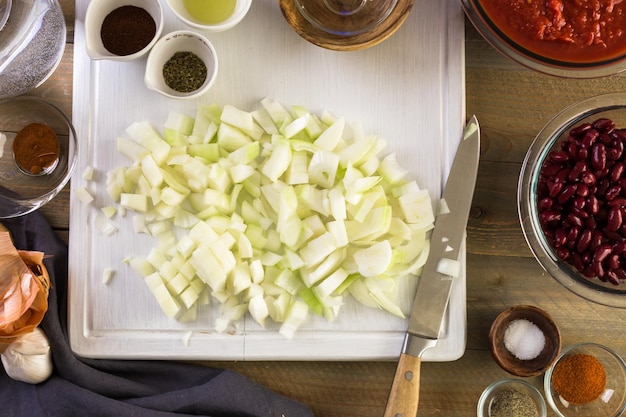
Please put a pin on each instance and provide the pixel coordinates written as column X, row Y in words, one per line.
column 572, row 198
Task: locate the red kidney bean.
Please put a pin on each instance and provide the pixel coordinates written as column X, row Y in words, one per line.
column 580, row 129
column 612, row 277
column 572, row 149
column 604, row 125
column 612, row 192
column 576, row 261
column 593, row 205
column 598, row 269
column 598, row 156
column 545, row 203
column 588, row 177
column 596, row 240
column 578, row 169
column 583, row 154
column 589, row 138
column 560, row 156
column 567, row 193
column 579, row 203
column 554, row 188
column 571, row 237
column 614, row 219
column 619, row 248
column 617, row 202
column 583, row 190
column 590, row 223
column 549, row 216
column 562, row 175
column 584, row 241
column 617, row 171
column 560, row 237
column 613, row 262
column 602, row 252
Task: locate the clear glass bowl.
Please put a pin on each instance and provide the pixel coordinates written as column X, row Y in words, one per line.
column 612, row 106
column 22, row 192
column 345, row 17
column 32, row 41
column 615, row 380
column 491, row 392
column 544, row 64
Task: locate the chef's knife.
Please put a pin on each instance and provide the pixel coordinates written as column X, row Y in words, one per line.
column 433, row 290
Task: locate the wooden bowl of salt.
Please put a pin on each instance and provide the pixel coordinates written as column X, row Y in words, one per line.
column 524, row 340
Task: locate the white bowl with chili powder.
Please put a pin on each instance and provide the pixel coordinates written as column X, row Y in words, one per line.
column 572, row 199
column 122, row 30
column 587, row 379
column 38, row 152
column 563, row 38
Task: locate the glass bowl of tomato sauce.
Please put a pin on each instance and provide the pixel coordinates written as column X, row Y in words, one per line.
column 572, row 198
column 572, row 39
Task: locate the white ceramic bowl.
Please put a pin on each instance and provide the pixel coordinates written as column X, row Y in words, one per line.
column 179, row 10
column 166, row 47
column 97, row 11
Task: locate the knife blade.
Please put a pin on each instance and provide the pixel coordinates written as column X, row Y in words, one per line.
column 433, row 290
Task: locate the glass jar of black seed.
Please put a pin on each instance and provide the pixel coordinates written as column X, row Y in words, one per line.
column 32, row 42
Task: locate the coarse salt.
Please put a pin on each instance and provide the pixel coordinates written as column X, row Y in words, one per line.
column 524, row 339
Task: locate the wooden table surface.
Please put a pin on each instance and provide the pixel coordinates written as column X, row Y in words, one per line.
column 512, row 104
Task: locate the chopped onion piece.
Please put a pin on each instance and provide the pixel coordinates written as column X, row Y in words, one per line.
column 83, row 195
column 107, row 274
column 449, row 267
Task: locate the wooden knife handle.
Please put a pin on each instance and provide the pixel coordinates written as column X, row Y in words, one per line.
column 405, row 389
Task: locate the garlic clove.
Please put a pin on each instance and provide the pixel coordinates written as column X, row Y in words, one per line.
column 28, row 358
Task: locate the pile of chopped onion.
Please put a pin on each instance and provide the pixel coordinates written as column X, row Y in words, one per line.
column 274, row 212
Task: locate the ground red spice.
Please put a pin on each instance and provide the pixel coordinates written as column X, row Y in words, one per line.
column 36, row 148
column 127, row 30
column 579, row 378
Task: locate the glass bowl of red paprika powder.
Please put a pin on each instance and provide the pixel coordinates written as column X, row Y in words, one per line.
column 587, row 379
column 563, row 38
column 37, row 154
column 572, row 198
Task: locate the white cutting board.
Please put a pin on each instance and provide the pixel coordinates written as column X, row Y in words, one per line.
column 409, row 89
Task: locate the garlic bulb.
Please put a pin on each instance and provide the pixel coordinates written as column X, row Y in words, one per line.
column 28, row 358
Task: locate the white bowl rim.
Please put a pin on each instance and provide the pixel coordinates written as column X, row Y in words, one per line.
column 241, row 10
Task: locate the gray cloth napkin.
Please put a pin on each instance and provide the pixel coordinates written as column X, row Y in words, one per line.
column 95, row 388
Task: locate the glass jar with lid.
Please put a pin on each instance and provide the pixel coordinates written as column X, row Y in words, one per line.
column 32, row 41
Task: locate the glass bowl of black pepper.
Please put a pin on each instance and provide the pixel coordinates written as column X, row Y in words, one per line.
column 511, row 397
column 122, row 30
column 38, row 152
column 587, row 380
column 572, row 198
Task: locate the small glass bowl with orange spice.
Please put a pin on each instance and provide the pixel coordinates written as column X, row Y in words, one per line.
column 37, row 154
column 587, row 379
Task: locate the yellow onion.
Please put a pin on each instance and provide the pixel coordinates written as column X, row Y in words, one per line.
column 24, row 286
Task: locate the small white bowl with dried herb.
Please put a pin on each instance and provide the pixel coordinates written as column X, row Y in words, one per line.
column 181, row 65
